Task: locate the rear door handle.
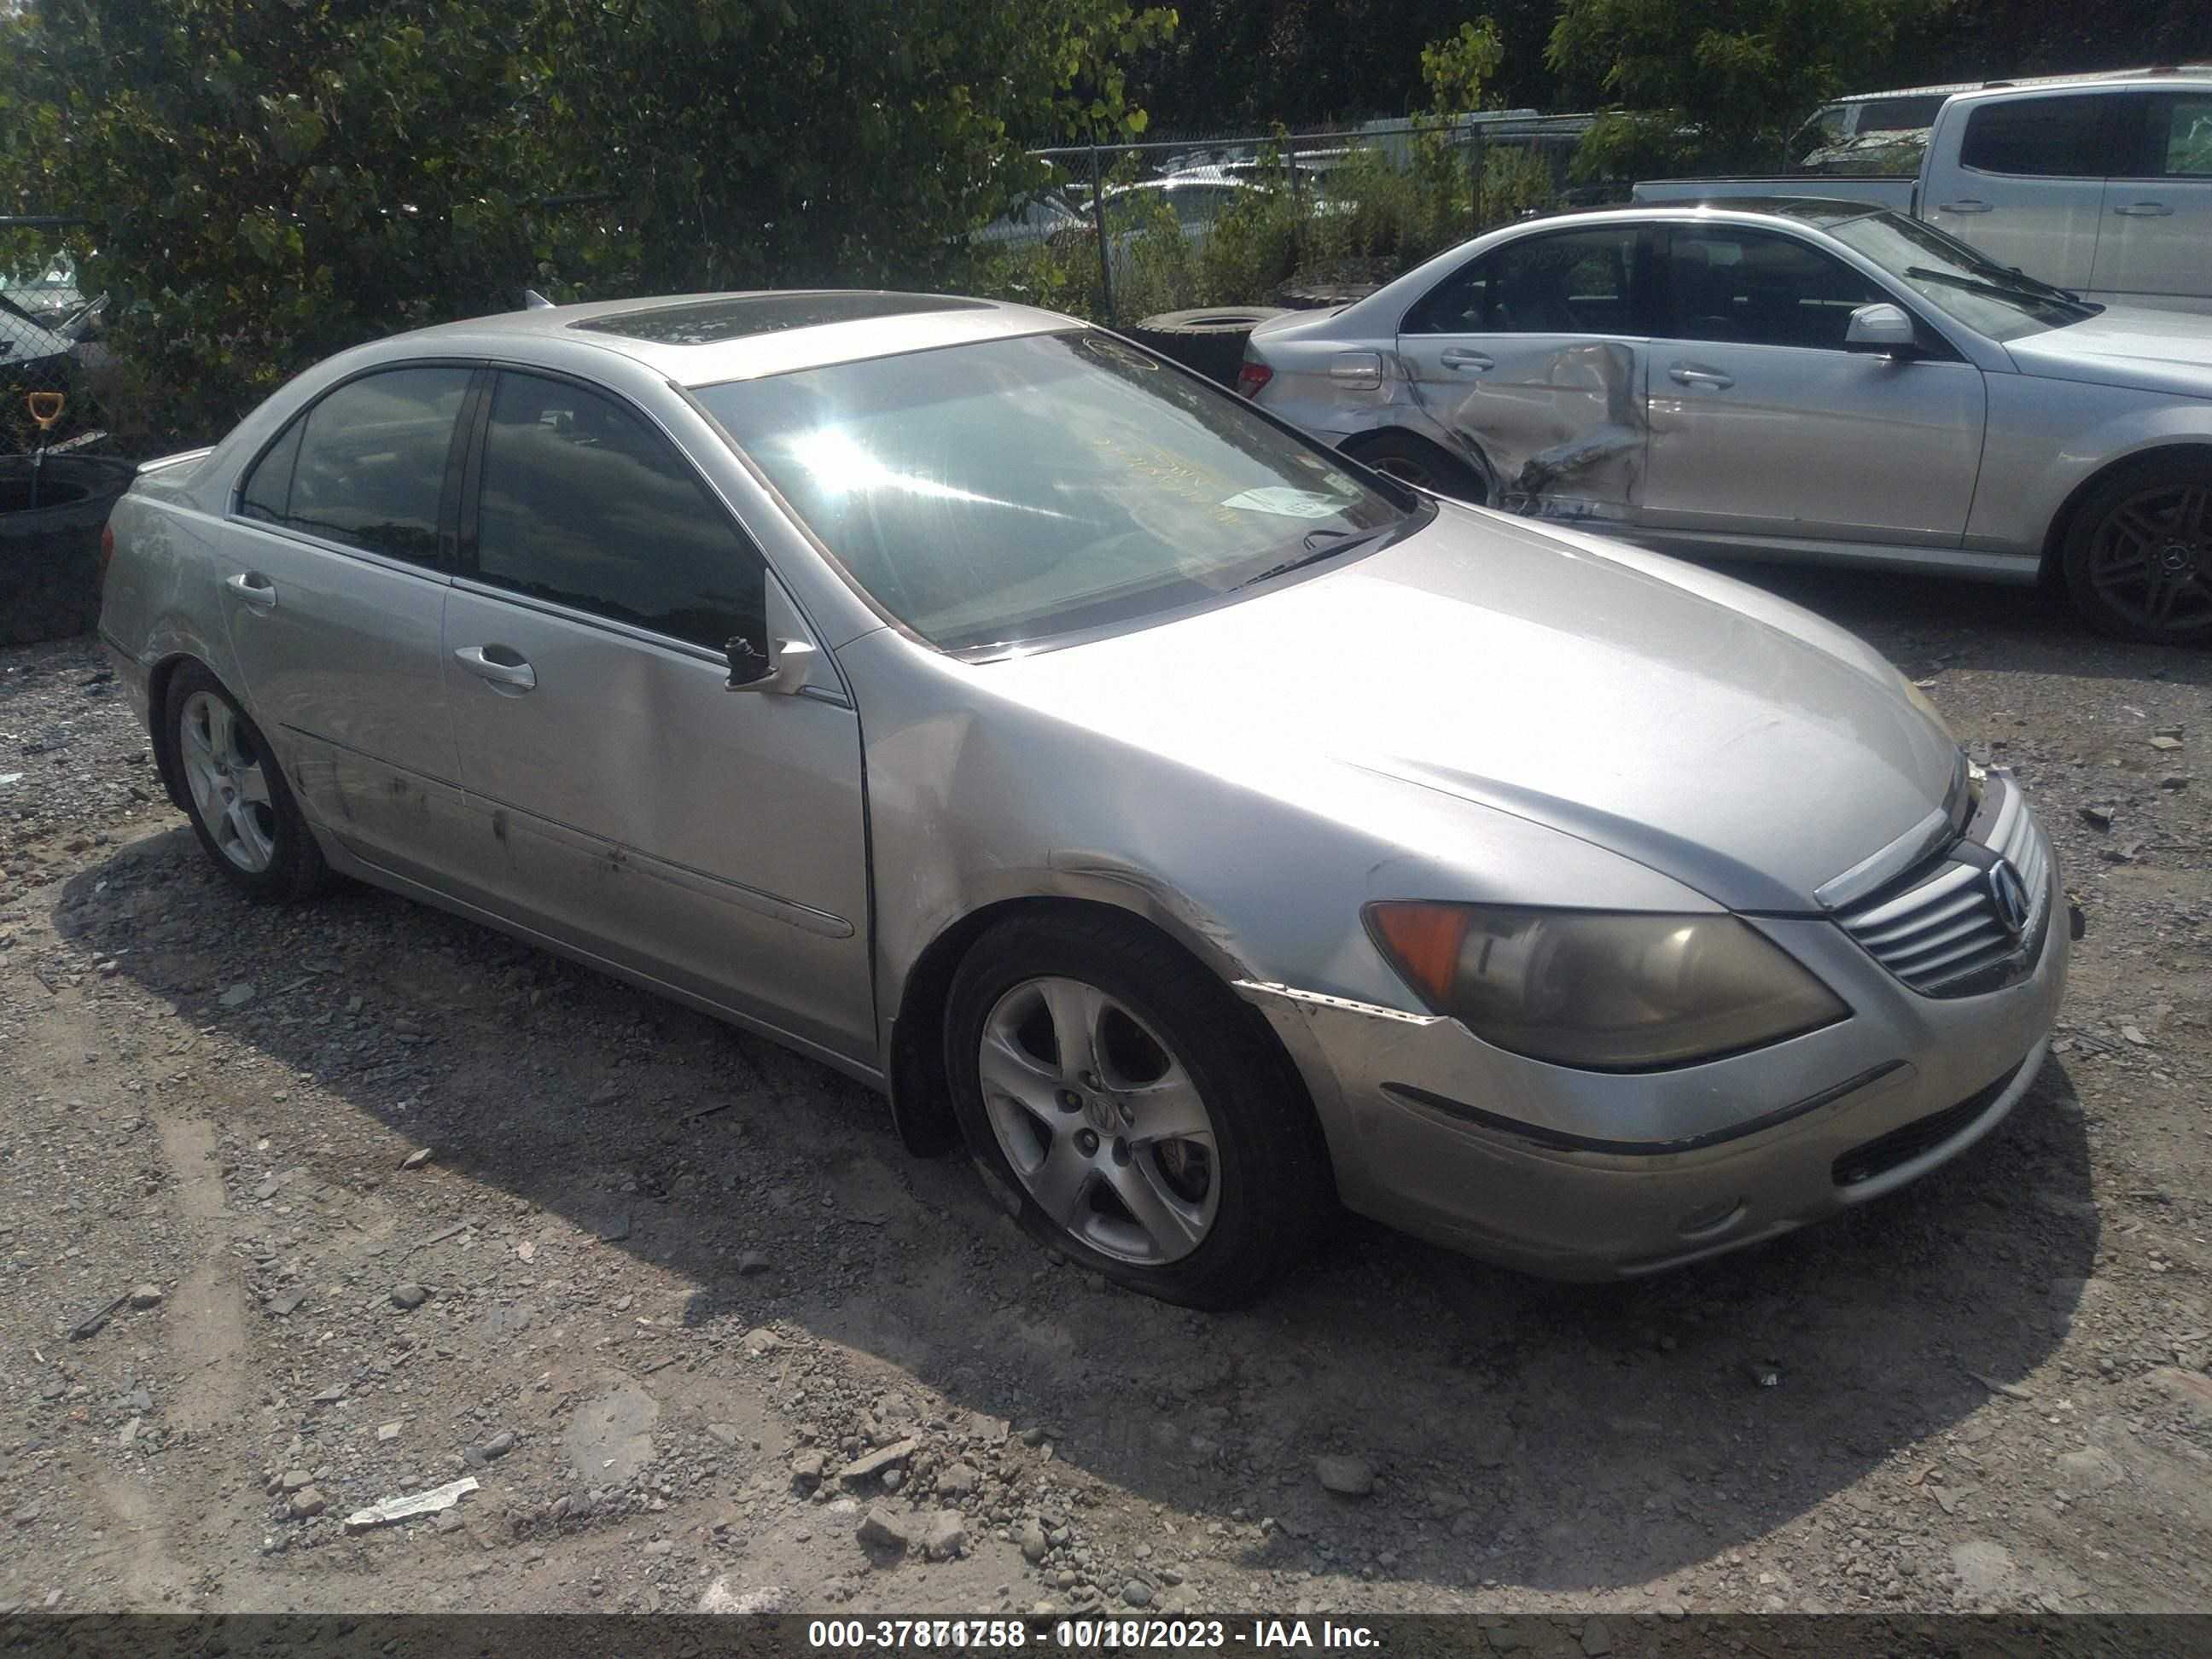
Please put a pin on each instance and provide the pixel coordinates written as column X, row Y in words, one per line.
column 515, row 676
column 1458, row 358
column 2144, row 210
column 1970, row 205
column 1691, row 374
column 256, row 589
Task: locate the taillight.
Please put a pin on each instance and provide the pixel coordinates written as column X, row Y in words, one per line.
column 1251, row 376
column 107, row 552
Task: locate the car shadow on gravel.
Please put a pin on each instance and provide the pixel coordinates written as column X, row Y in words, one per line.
column 1917, row 622
column 1573, row 1439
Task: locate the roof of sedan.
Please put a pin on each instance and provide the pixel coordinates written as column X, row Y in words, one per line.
column 700, row 339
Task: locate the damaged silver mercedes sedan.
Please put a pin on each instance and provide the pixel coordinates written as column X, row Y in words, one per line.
column 1787, row 379
column 1201, row 829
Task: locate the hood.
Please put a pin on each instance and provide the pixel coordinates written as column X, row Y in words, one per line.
column 2167, row 351
column 1718, row 744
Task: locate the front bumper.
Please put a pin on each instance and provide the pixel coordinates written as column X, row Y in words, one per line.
column 1581, row 1175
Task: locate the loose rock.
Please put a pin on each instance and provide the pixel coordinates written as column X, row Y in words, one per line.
column 1348, row 1476
column 945, row 1536
column 884, row 1529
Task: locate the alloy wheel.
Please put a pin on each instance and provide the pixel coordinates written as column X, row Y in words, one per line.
column 2151, row 559
column 1099, row 1121
column 222, row 767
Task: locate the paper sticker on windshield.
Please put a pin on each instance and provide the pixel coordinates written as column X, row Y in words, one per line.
column 1285, row 502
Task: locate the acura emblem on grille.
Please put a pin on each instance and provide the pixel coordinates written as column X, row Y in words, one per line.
column 2008, row 896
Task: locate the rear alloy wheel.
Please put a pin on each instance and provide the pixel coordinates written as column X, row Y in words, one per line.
column 240, row 806
column 1141, row 1118
column 2138, row 564
column 1419, row 463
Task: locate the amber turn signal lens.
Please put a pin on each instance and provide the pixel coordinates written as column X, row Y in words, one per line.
column 1423, row 940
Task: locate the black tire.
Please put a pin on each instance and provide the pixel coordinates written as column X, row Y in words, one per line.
column 50, row 553
column 1416, row 461
column 1274, row 1196
column 1322, row 296
column 2137, row 556
column 1210, row 341
column 294, row 869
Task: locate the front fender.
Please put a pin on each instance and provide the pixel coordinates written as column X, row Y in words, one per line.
column 2049, row 438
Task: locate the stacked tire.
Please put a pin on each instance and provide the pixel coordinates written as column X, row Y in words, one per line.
column 50, row 552
column 1210, row 341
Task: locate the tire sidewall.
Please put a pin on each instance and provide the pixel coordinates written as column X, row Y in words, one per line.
column 1020, row 951
column 296, row 866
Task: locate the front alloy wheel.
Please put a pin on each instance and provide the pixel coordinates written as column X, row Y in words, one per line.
column 1099, row 1121
column 2139, row 564
column 1137, row 1116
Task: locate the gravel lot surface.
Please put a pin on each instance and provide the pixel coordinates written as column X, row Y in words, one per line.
column 302, row 1210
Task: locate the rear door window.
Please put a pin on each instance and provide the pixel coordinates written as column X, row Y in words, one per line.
column 1579, row 281
column 365, row 466
column 2058, row 137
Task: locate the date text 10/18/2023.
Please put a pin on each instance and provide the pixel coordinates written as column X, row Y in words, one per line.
column 1086, row 1635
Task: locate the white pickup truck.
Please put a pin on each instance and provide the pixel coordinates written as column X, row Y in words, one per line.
column 2099, row 184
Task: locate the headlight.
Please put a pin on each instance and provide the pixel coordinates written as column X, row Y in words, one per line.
column 1918, row 699
column 1605, row 991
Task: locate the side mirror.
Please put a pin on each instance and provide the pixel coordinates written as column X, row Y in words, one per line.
column 782, row 670
column 1884, row 329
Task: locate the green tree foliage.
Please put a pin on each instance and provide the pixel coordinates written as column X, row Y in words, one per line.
column 1717, row 83
column 1238, row 65
column 279, row 178
column 846, row 141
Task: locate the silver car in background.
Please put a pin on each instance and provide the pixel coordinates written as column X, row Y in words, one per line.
column 1781, row 379
column 1202, row 829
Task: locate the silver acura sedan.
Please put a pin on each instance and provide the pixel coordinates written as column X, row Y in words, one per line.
column 1801, row 380
column 1202, row 829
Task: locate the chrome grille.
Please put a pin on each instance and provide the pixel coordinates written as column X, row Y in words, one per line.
column 1939, row 929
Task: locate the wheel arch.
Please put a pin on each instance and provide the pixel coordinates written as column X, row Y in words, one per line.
column 163, row 735
column 2063, row 521
column 920, row 1093
column 1466, row 454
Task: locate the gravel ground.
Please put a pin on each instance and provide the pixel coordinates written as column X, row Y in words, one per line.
column 308, row 1209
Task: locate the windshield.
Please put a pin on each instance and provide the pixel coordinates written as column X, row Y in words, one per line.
column 1987, row 297
column 993, row 495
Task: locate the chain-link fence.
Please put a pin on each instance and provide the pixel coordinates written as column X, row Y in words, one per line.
column 1121, row 231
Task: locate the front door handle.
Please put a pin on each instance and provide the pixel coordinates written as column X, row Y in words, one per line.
column 1970, row 205
column 1458, row 358
column 516, row 674
column 256, row 589
column 2144, row 210
column 1691, row 374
